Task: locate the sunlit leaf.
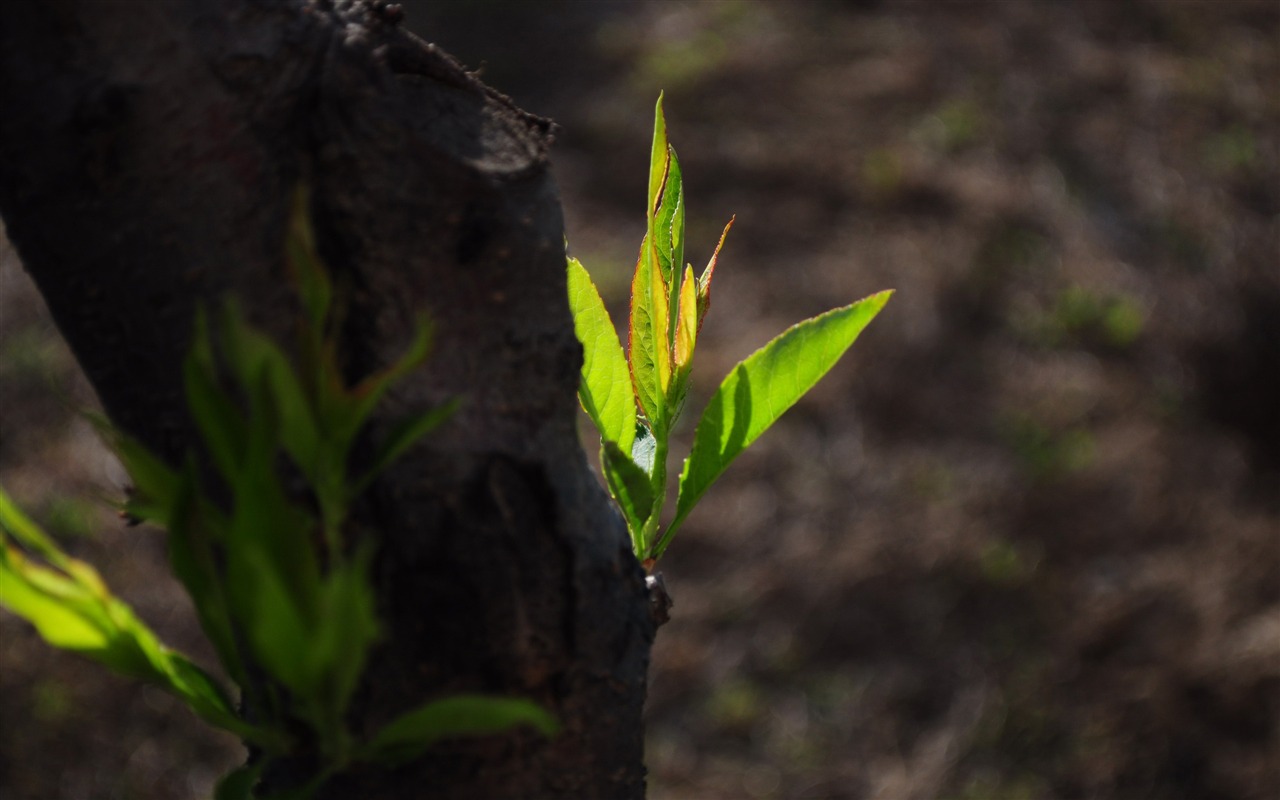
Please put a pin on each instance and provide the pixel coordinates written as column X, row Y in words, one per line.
column 646, row 337
column 72, row 609
column 704, row 282
column 17, row 523
column 757, row 392
column 605, row 387
column 657, row 162
column 669, row 220
column 660, row 312
column 687, row 323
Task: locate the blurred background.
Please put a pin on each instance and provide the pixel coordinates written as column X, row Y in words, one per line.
column 1023, row 542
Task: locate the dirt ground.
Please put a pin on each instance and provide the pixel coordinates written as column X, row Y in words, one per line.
column 1024, row 542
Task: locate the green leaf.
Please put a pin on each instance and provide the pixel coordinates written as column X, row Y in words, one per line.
column 254, row 357
column 757, row 392
column 305, row 267
column 403, row 436
column 408, row 736
column 669, row 221
column 277, row 629
column 657, row 163
column 704, row 282
column 605, row 388
column 365, row 395
column 40, row 600
column 686, row 332
column 646, row 336
column 72, row 609
column 194, row 530
column 15, row 522
column 630, row 487
column 350, row 628
column 220, row 423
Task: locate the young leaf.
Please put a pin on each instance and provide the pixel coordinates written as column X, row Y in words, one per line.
column 630, row 487
column 17, row 523
column 349, row 630
column 254, row 357
column 657, row 162
column 305, row 267
column 759, row 390
column 194, row 528
column 704, row 282
column 669, row 220
column 646, row 336
column 660, row 311
column 686, row 324
column 219, row 421
column 371, row 389
column 72, row 609
column 605, row 389
column 403, row 436
column 407, row 736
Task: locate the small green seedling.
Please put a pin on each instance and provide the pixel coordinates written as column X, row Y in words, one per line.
column 635, row 400
column 279, row 580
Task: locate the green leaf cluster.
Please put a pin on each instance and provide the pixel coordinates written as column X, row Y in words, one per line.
column 635, row 399
column 279, row 580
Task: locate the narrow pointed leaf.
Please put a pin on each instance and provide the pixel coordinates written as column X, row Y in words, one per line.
column 687, row 323
column 644, row 338
column 408, row 736
column 657, row 162
column 759, row 389
column 605, row 389
column 15, row 522
column 704, row 282
column 192, row 556
column 219, row 421
column 669, row 220
column 370, row 390
column 403, row 436
column 305, row 267
column 254, row 357
column 660, row 309
column 349, row 630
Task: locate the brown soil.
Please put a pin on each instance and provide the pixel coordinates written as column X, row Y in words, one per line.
column 1024, row 542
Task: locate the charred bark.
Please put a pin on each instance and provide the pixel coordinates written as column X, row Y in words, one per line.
column 147, row 155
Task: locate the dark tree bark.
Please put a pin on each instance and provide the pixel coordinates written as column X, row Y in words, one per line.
column 147, row 155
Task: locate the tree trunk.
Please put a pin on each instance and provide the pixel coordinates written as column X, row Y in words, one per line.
column 147, row 156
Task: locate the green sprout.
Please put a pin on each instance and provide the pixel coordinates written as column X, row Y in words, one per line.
column 634, row 400
column 279, row 580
